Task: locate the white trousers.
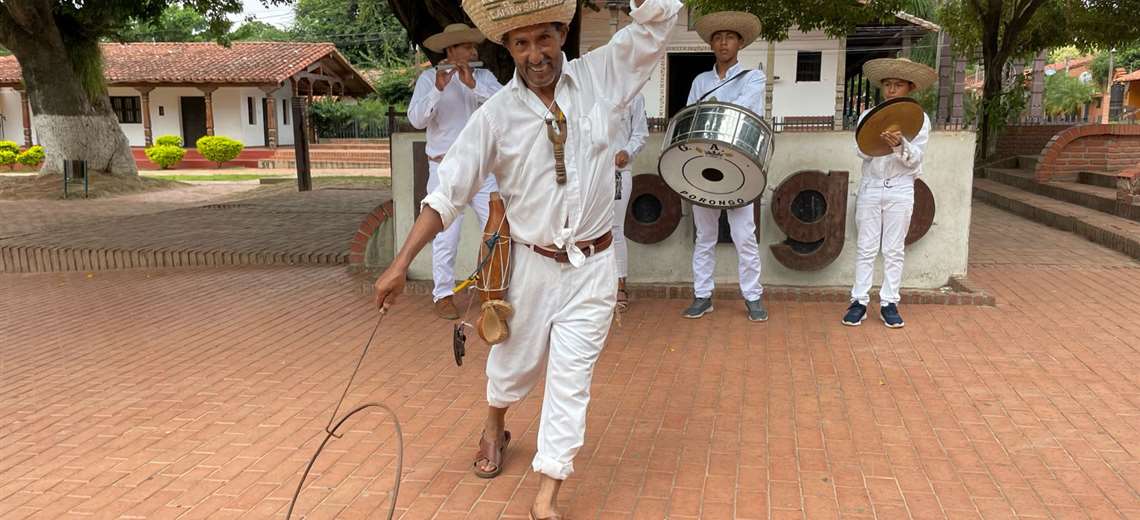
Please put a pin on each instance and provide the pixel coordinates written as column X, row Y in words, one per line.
column 882, row 216
column 562, row 317
column 447, row 241
column 742, row 223
column 621, row 250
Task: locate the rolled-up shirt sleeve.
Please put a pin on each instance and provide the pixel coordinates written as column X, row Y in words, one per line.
column 624, row 64
column 639, row 129
column 464, row 169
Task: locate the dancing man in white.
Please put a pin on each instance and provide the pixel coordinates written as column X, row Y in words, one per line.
column 548, row 137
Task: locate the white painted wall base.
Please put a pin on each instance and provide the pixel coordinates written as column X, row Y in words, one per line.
column 930, row 262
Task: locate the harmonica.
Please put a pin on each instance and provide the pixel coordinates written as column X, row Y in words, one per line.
column 449, row 66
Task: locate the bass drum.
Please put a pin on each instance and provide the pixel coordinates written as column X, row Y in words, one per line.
column 716, row 155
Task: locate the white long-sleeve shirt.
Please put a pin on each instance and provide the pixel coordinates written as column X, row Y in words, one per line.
column 635, row 128
column 904, row 162
column 507, row 136
column 443, row 113
column 746, row 91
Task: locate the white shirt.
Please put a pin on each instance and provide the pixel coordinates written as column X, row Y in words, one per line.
column 904, row 163
column 444, row 113
column 746, row 91
column 507, row 136
column 634, row 127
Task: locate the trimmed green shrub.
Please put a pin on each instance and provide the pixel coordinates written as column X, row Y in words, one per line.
column 219, row 148
column 7, row 158
column 32, row 156
column 168, row 140
column 165, row 155
column 9, row 146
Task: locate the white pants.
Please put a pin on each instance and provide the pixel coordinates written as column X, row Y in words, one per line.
column 562, row 317
column 621, row 251
column 742, row 223
column 447, row 241
column 882, row 215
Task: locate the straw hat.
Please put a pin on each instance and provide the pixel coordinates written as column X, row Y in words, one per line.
column 747, row 25
column 453, row 34
column 899, row 68
column 498, row 17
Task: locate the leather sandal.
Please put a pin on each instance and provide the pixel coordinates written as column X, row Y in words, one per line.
column 488, row 454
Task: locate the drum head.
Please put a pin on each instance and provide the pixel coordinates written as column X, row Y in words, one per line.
column 712, row 174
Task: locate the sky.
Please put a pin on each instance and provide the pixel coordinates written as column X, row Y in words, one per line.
column 279, row 15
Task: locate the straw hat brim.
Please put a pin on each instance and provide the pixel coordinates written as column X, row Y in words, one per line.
column 440, row 42
column 499, row 18
column 747, row 25
column 899, row 68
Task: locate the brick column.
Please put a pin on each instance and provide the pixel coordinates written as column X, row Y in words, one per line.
column 144, row 93
column 1037, row 88
column 840, row 84
column 945, row 76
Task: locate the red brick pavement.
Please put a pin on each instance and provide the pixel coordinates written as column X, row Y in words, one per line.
column 200, row 393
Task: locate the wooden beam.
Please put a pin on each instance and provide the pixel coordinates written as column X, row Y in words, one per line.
column 26, row 118
column 209, row 93
column 144, row 93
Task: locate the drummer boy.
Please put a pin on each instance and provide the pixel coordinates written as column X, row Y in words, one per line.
column 728, row 32
column 886, row 194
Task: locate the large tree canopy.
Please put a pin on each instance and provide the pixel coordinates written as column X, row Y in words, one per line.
column 56, row 43
column 366, row 31
column 835, row 17
column 1007, row 29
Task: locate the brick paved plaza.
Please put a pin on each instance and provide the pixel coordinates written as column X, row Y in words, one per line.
column 200, row 393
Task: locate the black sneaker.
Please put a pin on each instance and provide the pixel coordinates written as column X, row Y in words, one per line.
column 890, row 315
column 856, row 313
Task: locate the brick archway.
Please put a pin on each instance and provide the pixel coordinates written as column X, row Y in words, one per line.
column 358, row 246
column 1095, row 147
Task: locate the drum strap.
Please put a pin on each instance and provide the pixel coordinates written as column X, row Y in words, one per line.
column 734, row 78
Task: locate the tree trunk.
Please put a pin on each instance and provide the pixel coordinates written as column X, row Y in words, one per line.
column 72, row 118
column 991, row 97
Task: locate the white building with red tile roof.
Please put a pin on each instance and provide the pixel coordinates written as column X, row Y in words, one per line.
column 195, row 89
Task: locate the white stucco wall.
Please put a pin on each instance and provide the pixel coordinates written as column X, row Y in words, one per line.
column 230, row 113
column 12, row 127
column 930, row 262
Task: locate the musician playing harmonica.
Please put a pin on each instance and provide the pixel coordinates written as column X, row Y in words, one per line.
column 443, row 101
column 727, row 32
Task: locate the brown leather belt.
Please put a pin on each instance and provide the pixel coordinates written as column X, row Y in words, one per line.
column 436, row 159
column 588, row 247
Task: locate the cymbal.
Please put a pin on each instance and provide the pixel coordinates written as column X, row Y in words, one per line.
column 899, row 114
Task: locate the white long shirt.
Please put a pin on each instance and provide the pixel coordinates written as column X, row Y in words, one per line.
column 634, row 125
column 746, row 91
column 444, row 113
column 905, row 162
column 507, row 136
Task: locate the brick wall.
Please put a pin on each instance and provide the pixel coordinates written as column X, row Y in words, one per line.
column 1095, row 147
column 1025, row 139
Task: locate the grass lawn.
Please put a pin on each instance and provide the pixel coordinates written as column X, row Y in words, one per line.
column 221, row 177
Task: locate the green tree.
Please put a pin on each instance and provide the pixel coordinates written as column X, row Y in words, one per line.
column 777, row 17
column 56, row 43
column 175, row 24
column 1066, row 95
column 366, row 31
column 1127, row 58
column 258, row 31
column 1007, row 29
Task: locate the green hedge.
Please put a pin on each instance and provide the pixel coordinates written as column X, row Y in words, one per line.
column 9, row 146
column 168, row 140
column 166, row 155
column 219, row 148
column 32, row 156
column 7, row 157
